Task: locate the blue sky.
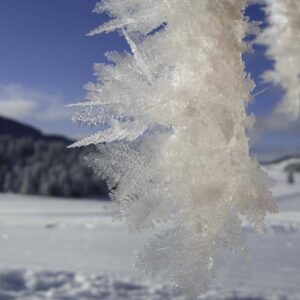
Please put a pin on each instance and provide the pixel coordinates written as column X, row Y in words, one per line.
column 46, row 58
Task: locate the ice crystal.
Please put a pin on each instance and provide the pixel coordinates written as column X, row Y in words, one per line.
column 173, row 145
column 282, row 37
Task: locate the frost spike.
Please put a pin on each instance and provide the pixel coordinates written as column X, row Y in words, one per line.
column 137, row 55
column 108, row 27
column 116, row 133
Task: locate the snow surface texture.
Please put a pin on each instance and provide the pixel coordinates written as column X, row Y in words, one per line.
column 173, row 117
column 28, row 285
column 282, row 37
column 39, row 285
column 58, row 249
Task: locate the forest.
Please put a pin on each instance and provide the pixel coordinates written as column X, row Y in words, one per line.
column 41, row 167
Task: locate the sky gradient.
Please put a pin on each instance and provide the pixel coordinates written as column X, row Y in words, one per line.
column 46, row 58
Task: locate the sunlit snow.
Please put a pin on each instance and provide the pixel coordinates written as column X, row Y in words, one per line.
column 64, row 249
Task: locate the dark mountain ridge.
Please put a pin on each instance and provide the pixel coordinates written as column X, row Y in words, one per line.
column 17, row 129
column 38, row 164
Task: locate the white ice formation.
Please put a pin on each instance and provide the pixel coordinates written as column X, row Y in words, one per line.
column 173, row 145
column 282, row 37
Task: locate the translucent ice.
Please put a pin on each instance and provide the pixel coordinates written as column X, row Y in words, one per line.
column 173, row 119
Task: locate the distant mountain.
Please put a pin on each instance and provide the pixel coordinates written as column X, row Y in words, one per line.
column 282, row 159
column 16, row 129
column 34, row 163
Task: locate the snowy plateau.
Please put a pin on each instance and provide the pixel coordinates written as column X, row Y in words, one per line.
column 62, row 249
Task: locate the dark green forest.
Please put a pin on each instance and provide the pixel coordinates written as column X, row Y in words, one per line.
column 41, row 167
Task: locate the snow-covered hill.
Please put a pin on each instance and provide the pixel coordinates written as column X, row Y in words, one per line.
column 60, row 249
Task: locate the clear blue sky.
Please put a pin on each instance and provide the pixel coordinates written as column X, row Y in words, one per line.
column 43, row 44
column 46, row 58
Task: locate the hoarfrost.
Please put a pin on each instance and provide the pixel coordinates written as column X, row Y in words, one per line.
column 176, row 149
column 282, row 38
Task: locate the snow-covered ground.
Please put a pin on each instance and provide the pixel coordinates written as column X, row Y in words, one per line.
column 62, row 249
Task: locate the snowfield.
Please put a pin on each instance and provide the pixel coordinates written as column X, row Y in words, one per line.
column 62, row 249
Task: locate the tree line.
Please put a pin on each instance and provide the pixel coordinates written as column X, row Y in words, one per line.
column 40, row 167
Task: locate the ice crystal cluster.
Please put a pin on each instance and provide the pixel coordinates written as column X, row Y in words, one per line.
column 172, row 143
column 282, row 37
